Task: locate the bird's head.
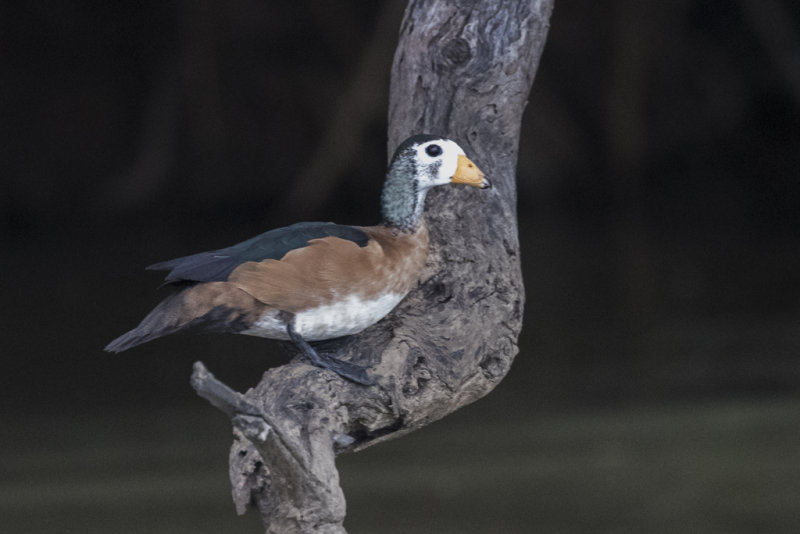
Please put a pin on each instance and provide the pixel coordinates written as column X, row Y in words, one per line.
column 420, row 163
column 430, row 160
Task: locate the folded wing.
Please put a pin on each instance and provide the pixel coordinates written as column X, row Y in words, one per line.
column 217, row 265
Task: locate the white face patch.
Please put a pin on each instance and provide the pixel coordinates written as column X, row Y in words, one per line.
column 437, row 167
column 346, row 317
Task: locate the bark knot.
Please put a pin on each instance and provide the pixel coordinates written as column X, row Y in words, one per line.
column 456, row 52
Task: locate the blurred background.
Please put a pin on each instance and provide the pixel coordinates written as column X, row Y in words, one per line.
column 657, row 387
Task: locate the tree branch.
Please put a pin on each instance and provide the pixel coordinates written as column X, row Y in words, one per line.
column 462, row 70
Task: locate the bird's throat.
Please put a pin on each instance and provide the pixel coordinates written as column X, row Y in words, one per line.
column 402, row 201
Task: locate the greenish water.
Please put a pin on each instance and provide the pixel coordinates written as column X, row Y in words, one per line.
column 721, row 467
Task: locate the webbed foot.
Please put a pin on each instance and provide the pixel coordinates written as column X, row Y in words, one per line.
column 346, row 370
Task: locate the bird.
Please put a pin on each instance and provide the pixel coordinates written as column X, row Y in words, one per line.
column 314, row 281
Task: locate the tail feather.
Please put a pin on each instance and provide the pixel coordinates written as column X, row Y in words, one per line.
column 211, row 307
column 165, row 319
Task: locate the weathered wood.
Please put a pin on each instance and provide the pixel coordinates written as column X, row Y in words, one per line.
column 462, row 69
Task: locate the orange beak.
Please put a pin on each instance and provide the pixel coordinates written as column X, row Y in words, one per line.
column 469, row 173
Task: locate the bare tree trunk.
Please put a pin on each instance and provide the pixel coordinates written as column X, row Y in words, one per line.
column 464, row 70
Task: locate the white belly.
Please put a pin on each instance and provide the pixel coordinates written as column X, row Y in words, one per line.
column 347, row 316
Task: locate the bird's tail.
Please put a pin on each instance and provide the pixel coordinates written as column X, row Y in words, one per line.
column 167, row 318
column 210, row 307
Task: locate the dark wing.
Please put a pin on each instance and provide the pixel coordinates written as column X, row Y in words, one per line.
column 217, row 265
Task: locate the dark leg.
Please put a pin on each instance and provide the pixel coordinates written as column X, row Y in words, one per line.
column 346, row 370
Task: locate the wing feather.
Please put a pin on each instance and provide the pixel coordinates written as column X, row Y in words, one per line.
column 217, row 265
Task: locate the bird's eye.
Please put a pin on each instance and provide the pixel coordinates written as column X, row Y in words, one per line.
column 433, row 150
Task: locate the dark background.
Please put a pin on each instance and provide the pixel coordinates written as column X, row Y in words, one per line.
column 657, row 385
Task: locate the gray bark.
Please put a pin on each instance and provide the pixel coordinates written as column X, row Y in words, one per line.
column 464, row 70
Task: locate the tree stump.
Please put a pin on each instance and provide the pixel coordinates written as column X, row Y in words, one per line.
column 462, row 70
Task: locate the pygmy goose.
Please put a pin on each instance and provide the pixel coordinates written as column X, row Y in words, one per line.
column 314, row 281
